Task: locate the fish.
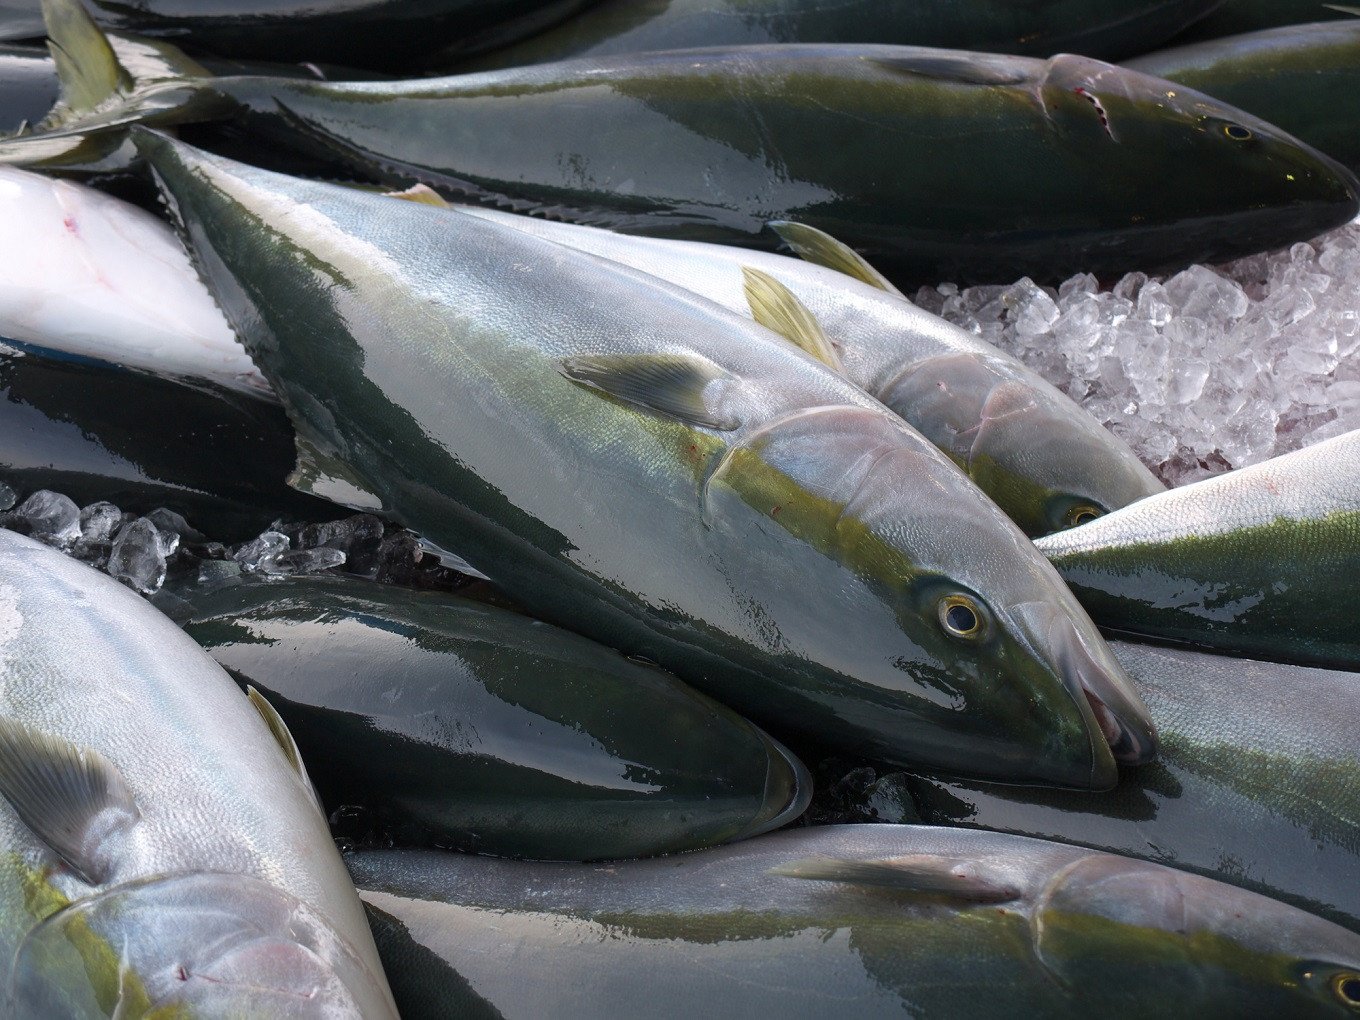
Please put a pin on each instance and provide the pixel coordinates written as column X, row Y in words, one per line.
column 380, row 34
column 86, row 273
column 1259, row 562
column 478, row 728
column 1301, row 77
column 1046, row 462
column 856, row 920
column 28, row 87
column 896, row 151
column 162, row 853
column 1089, row 27
column 1236, row 17
column 1254, row 785
column 99, row 432
column 635, row 463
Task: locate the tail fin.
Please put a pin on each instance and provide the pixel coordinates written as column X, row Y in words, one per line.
column 108, row 82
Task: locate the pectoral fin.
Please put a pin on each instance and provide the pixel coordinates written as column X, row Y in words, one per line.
column 821, row 249
column 923, row 874
column 421, row 194
column 72, row 798
column 776, row 308
column 674, row 385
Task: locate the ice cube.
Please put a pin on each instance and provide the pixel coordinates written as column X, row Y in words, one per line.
column 49, row 517
column 138, row 557
column 252, row 555
column 7, row 497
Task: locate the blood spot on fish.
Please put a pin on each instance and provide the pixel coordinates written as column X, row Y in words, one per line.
column 181, row 973
column 69, row 222
column 775, row 511
column 1100, row 110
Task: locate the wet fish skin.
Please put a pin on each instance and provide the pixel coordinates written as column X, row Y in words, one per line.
column 694, row 524
column 193, row 854
column 418, row 704
column 94, row 431
column 680, row 145
column 1259, row 561
column 886, row 920
column 1037, row 454
column 1091, row 27
column 1305, row 78
column 1238, row 16
column 28, row 86
column 1257, row 784
column 379, row 34
column 713, row 144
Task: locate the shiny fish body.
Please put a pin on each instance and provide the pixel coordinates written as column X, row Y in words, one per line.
column 1096, row 28
column 86, row 273
column 933, row 163
column 1237, row 16
column 876, row 920
column 1304, row 78
column 1258, row 782
column 484, row 730
column 697, row 517
column 1261, row 561
column 94, row 431
column 893, row 150
column 381, row 34
column 28, row 86
column 1038, row 455
column 219, row 890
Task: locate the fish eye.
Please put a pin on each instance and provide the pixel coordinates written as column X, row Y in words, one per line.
column 961, row 617
column 1082, row 513
column 1237, row 132
column 1346, row 987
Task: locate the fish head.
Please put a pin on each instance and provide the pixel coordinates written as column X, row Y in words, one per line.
column 1207, row 162
column 1050, row 465
column 966, row 610
column 196, row 943
column 1047, row 463
column 1104, row 921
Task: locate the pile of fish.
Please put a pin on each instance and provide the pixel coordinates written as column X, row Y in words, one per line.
column 484, row 532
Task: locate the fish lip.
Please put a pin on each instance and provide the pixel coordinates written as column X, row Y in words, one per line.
column 1096, row 682
column 765, row 820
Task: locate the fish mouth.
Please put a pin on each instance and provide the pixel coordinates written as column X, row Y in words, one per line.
column 788, row 790
column 1095, row 679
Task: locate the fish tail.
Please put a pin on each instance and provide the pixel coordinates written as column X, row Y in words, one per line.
column 108, row 83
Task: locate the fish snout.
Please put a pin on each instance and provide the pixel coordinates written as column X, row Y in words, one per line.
column 1091, row 673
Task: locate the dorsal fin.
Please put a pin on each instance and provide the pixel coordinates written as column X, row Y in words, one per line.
column 669, row 384
column 72, row 798
column 777, row 308
column 925, row 874
column 821, row 249
column 284, row 738
column 421, row 194
column 1343, row 9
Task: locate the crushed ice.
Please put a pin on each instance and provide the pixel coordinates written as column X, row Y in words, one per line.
column 141, row 552
column 1207, row 370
